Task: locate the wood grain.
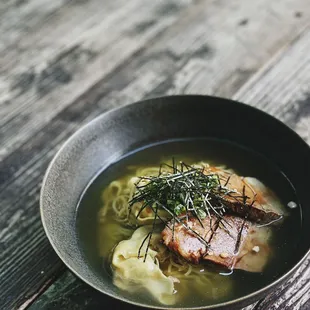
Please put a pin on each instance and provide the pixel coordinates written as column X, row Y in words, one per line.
column 65, row 58
column 22, row 236
column 18, row 16
column 63, row 61
column 90, row 56
column 282, row 88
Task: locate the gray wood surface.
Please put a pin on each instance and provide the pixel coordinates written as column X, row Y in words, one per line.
column 64, row 62
column 282, row 88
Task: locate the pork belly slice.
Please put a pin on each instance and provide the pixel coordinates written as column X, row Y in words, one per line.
column 238, row 246
column 185, row 243
column 261, row 205
column 227, row 241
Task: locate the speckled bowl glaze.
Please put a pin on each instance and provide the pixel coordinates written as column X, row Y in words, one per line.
column 115, row 133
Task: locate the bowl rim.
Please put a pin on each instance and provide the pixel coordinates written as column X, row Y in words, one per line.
column 71, row 139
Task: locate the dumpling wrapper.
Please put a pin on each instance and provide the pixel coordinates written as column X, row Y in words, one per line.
column 132, row 274
column 268, row 200
column 255, row 251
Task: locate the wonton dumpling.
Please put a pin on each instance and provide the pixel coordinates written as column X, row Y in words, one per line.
column 255, row 251
column 132, row 274
column 269, row 200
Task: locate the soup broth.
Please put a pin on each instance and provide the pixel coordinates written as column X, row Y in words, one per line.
column 203, row 284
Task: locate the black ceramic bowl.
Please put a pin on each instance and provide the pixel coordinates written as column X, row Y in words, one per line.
column 113, row 134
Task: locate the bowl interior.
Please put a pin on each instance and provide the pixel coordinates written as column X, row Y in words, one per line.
column 116, row 133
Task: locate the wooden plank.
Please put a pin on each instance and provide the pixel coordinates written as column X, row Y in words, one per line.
column 294, row 294
column 61, row 60
column 22, row 236
column 18, row 16
column 41, row 123
column 282, row 88
column 70, row 54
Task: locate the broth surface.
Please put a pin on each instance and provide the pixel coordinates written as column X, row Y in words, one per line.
column 97, row 248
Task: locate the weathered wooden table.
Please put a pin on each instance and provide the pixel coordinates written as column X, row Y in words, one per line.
column 64, row 62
